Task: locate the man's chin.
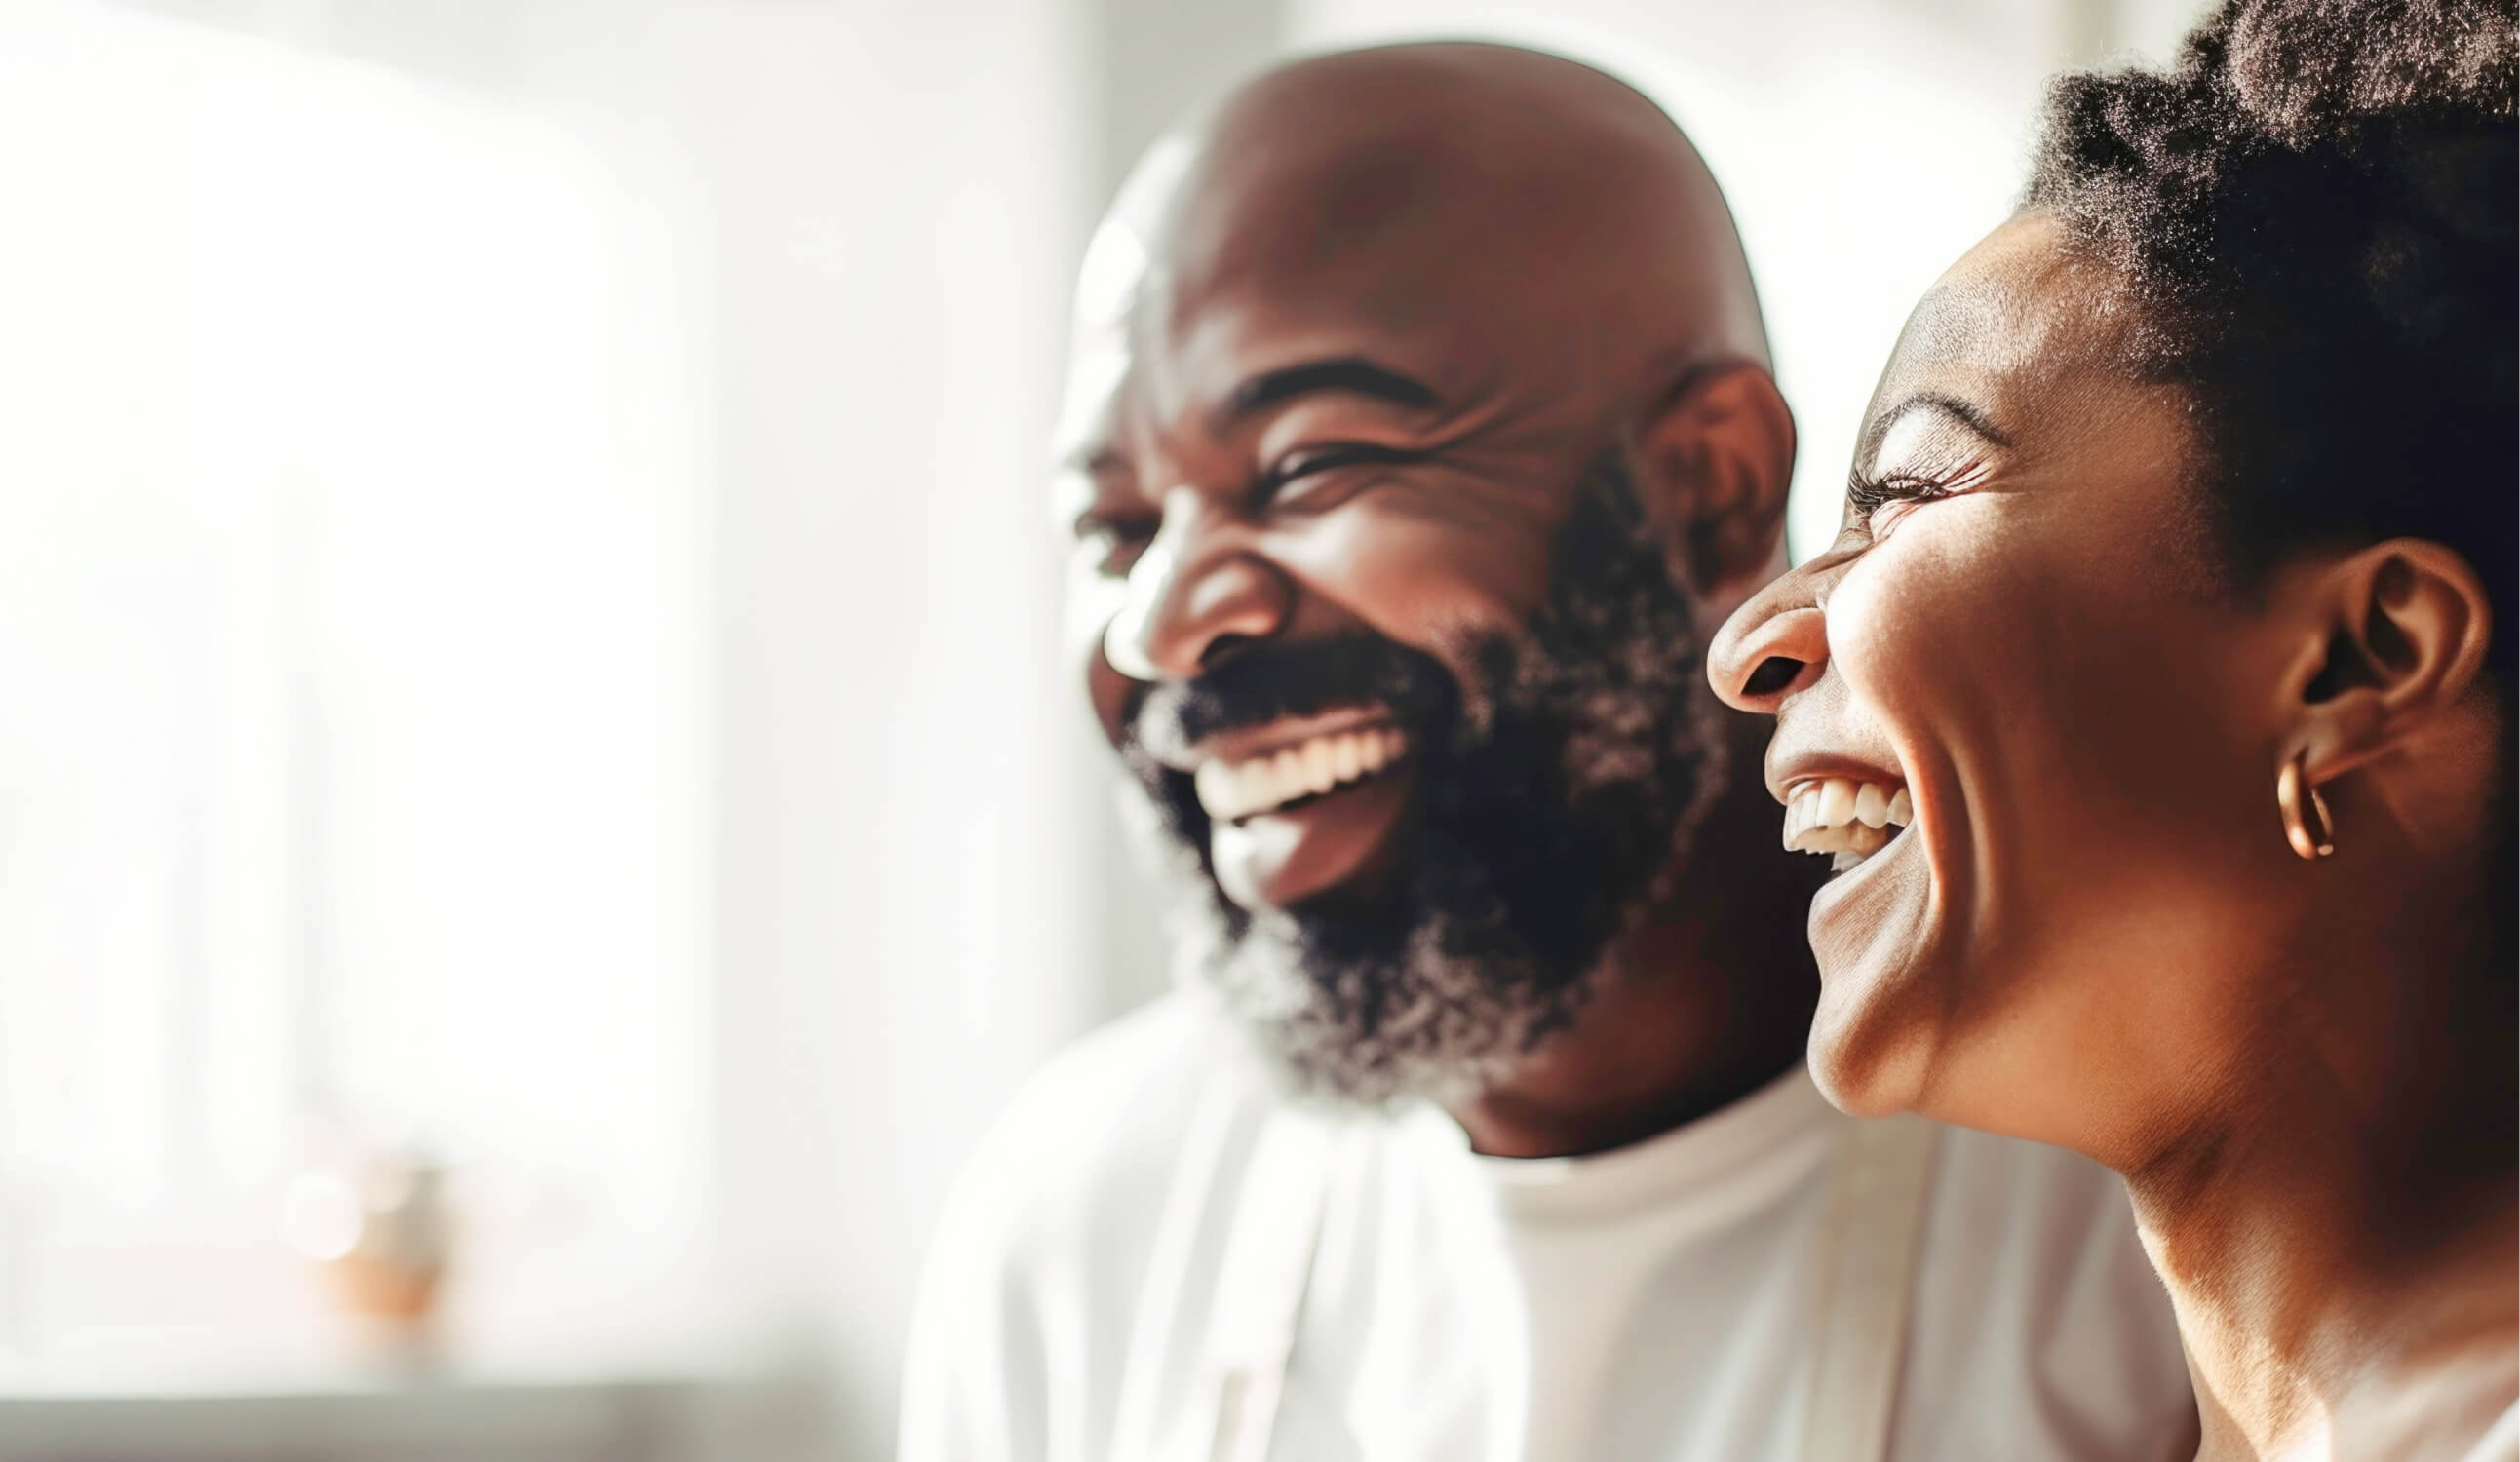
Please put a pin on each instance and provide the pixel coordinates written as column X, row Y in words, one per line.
column 1371, row 1006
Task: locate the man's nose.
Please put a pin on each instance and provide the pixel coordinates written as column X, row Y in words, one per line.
column 1197, row 595
column 1773, row 647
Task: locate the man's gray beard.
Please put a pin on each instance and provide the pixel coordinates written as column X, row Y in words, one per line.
column 1456, row 1031
column 1455, row 999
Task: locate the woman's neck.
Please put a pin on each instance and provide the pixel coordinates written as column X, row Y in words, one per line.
column 2341, row 1233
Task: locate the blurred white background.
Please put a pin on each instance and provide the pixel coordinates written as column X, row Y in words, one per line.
column 527, row 638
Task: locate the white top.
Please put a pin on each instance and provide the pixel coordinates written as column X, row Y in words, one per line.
column 1656, row 1301
column 2500, row 1441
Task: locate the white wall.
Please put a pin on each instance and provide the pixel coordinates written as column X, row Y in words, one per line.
column 896, row 194
column 850, row 230
column 355, row 627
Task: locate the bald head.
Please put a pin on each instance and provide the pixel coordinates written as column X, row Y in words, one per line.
column 1519, row 225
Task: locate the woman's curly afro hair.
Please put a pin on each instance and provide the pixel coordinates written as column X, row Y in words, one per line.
column 2313, row 213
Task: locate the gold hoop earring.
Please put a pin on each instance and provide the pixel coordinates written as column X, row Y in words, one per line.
column 2309, row 831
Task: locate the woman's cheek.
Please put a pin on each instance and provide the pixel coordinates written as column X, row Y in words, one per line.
column 1897, row 615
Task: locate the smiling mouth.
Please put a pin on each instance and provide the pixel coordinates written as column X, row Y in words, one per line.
column 1847, row 819
column 1299, row 773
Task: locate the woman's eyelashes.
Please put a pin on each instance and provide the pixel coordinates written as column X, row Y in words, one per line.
column 1879, row 502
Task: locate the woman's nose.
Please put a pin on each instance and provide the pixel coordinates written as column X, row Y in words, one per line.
column 1772, row 646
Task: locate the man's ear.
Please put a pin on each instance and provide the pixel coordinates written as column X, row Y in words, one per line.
column 2403, row 629
column 1714, row 463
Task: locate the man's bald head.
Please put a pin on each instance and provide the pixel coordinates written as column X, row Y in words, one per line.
column 1420, row 416
column 1526, row 223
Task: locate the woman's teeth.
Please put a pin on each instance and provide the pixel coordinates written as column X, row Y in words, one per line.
column 1849, row 820
column 1306, row 769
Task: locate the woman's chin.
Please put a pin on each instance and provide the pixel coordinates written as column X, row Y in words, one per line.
column 1864, row 1059
column 1877, row 932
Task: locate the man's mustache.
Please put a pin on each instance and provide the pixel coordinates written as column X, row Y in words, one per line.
column 1266, row 682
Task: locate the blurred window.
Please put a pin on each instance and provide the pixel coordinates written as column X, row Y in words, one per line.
column 351, row 671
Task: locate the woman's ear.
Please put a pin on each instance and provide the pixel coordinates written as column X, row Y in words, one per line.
column 1714, row 464
column 2405, row 624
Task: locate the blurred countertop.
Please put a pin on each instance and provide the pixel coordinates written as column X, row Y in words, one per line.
column 170, row 1399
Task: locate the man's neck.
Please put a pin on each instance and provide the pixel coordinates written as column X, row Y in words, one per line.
column 1709, row 998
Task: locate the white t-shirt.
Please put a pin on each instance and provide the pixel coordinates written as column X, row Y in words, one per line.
column 1651, row 1303
column 2500, row 1441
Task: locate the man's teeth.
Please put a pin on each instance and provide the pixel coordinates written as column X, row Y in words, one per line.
column 1847, row 818
column 1307, row 769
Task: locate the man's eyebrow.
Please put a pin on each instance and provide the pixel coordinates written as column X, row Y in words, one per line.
column 1353, row 373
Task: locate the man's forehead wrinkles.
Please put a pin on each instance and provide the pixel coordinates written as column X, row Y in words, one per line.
column 1225, row 361
column 1504, row 409
column 1416, row 208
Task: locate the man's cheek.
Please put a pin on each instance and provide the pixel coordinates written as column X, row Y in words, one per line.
column 1413, row 578
column 1090, row 603
column 1093, row 600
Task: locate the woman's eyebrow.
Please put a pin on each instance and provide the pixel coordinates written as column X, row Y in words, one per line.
column 1966, row 414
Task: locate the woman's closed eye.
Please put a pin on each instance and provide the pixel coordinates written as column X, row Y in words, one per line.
column 1879, row 502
